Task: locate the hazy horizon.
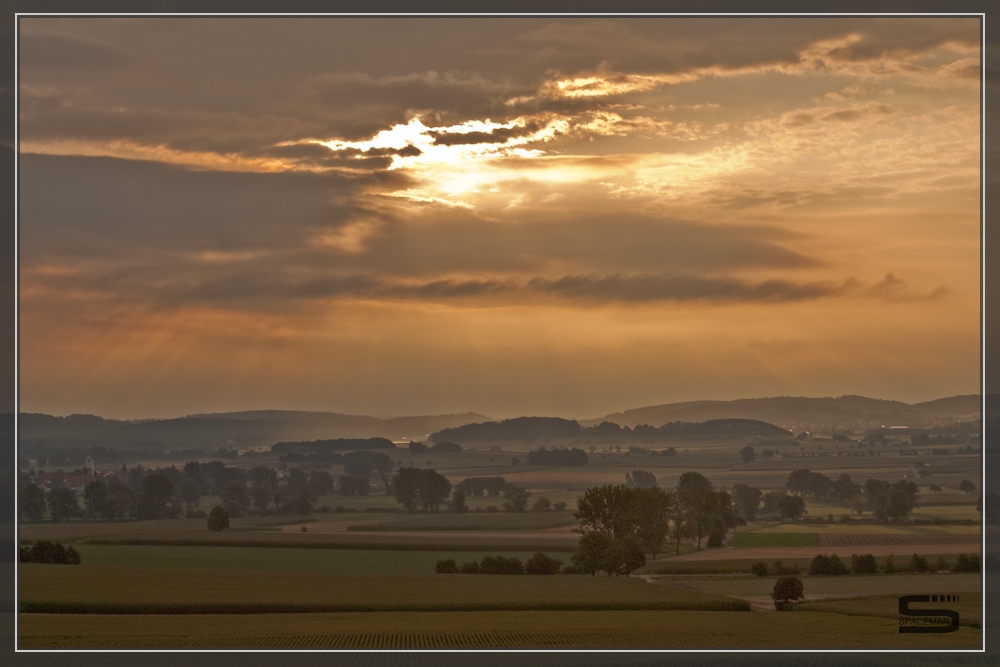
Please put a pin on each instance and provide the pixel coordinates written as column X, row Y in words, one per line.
column 481, row 412
column 558, row 216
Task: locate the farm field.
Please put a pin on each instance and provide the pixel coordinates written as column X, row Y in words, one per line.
column 561, row 629
column 819, row 586
column 271, row 559
column 807, row 553
column 857, row 528
column 472, row 521
column 968, row 606
column 110, row 585
column 762, row 539
column 802, row 557
column 363, row 554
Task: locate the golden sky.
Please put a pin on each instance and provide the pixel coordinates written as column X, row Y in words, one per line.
column 513, row 216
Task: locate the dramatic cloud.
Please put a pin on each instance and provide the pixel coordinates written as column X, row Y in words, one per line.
column 327, row 207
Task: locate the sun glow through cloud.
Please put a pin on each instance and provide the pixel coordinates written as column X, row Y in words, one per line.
column 538, row 204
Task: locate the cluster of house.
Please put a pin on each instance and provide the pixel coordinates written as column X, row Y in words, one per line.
column 77, row 483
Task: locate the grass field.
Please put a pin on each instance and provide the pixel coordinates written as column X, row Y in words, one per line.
column 109, row 585
column 585, row 629
column 270, row 559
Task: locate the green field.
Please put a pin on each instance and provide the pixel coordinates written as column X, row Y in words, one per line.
column 134, row 586
column 563, row 629
column 271, row 559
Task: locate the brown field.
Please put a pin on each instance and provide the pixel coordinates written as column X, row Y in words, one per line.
column 619, row 629
column 807, row 553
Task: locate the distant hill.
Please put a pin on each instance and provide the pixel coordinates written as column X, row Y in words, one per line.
column 805, row 414
column 253, row 429
column 969, row 404
column 531, row 429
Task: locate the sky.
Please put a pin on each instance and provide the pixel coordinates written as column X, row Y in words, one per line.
column 532, row 216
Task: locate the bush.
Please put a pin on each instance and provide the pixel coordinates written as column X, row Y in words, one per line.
column 501, row 565
column 446, row 566
column 572, row 569
column 942, row 564
column 919, row 564
column 218, row 519
column 890, row 564
column 542, row 564
column 759, row 569
column 787, row 589
column 471, row 567
column 864, row 564
column 967, row 563
column 542, row 505
column 827, row 565
column 559, row 505
column 45, row 551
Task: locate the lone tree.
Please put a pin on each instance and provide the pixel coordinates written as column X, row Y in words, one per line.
column 218, row 519
column 787, row 589
column 966, row 486
column 791, row 507
column 748, row 454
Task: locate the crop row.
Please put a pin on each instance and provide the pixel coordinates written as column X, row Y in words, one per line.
column 50, row 607
column 606, row 639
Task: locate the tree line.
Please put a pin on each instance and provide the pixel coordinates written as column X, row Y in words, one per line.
column 531, row 429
